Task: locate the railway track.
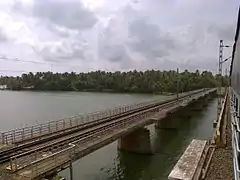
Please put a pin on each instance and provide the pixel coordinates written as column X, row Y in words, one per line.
column 18, row 148
column 95, row 133
column 64, row 139
column 86, row 132
column 94, row 122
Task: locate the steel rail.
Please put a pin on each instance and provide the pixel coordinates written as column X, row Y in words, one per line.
column 39, row 167
column 37, row 131
column 96, row 132
column 69, row 137
column 102, row 127
column 14, row 149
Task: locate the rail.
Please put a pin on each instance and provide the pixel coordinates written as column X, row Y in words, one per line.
column 235, row 127
column 44, row 164
column 25, row 133
column 105, row 130
column 219, row 127
column 58, row 159
column 37, row 164
column 21, row 134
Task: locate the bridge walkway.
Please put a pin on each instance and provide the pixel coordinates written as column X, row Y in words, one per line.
column 221, row 166
column 222, row 162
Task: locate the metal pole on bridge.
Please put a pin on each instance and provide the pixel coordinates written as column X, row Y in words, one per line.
column 177, row 83
column 220, row 73
column 71, row 171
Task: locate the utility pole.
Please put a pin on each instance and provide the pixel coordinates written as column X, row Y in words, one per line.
column 177, row 83
column 220, row 63
column 220, row 75
column 227, row 79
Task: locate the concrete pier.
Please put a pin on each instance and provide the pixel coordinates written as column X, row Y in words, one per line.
column 138, row 142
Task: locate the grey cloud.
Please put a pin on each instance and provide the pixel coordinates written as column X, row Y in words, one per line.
column 114, row 53
column 67, row 50
column 148, row 39
column 3, row 35
column 110, row 48
column 127, row 36
column 129, row 32
column 227, row 33
column 71, row 14
column 61, row 31
column 223, row 31
column 66, row 19
column 111, row 45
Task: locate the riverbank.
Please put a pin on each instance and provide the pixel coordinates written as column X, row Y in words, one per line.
column 94, row 91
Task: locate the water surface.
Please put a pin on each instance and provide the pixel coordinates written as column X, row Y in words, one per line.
column 23, row 108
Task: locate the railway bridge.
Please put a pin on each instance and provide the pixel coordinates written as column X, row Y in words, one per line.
column 42, row 150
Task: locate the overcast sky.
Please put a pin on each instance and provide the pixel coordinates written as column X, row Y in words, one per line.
column 86, row 35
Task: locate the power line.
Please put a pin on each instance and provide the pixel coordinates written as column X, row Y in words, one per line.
column 9, row 70
column 15, row 59
column 20, row 60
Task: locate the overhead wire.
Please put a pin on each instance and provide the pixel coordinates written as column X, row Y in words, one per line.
column 51, row 65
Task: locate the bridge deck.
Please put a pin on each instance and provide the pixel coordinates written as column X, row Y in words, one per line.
column 52, row 159
column 63, row 158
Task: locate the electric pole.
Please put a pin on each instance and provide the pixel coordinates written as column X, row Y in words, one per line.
column 220, row 63
column 177, row 83
column 220, row 76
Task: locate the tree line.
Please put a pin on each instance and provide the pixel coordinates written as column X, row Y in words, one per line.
column 149, row 81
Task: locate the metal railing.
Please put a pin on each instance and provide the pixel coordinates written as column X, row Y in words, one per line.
column 235, row 127
column 36, row 166
column 18, row 162
column 18, row 135
column 21, row 134
column 40, row 162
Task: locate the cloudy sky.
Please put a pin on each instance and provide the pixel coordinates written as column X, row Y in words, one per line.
column 86, row 35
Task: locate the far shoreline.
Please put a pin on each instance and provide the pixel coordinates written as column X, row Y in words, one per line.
column 93, row 91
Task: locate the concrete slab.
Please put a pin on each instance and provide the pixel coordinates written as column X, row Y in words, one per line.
column 188, row 163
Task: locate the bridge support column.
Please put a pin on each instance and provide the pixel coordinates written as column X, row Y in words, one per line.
column 138, row 142
column 199, row 104
column 71, row 171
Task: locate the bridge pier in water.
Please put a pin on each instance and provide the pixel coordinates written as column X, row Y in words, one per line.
column 137, row 141
column 174, row 118
column 199, row 105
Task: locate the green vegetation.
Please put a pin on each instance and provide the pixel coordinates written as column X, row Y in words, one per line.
column 149, row 81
